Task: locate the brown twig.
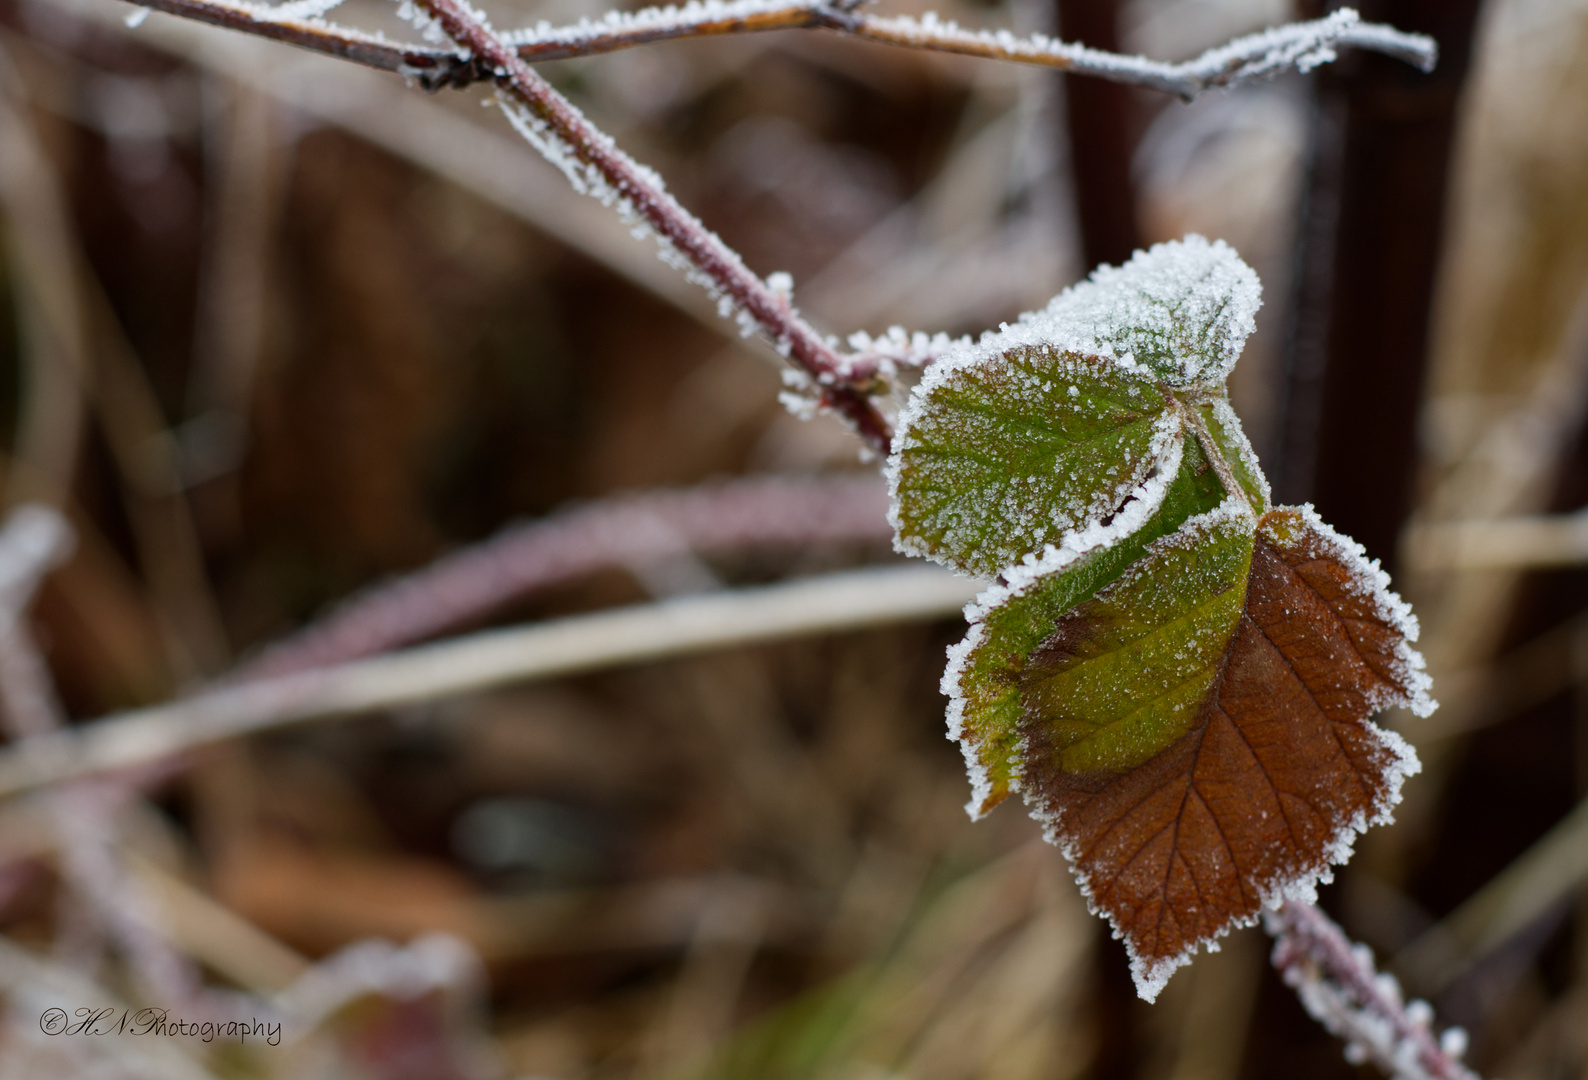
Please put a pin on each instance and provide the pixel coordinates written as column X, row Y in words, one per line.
column 592, row 160
column 1338, row 985
column 787, row 512
column 594, row 163
column 1258, row 55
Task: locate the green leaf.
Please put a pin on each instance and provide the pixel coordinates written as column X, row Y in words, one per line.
column 1124, row 675
column 1184, row 309
column 998, row 456
column 1225, row 428
column 983, row 681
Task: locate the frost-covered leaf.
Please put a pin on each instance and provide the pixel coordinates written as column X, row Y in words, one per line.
column 1197, row 736
column 1183, row 308
column 1002, row 452
column 1230, row 438
column 1010, row 620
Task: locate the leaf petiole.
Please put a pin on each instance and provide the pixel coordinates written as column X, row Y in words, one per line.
column 1192, row 417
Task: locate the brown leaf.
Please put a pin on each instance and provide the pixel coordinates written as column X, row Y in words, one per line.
column 1279, row 771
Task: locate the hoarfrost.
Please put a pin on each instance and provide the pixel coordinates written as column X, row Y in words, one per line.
column 653, row 19
column 1181, row 311
column 897, row 348
column 1341, row 989
column 1256, row 56
column 304, row 9
column 587, row 179
column 428, row 25
column 1366, row 581
column 1183, row 308
column 1139, row 505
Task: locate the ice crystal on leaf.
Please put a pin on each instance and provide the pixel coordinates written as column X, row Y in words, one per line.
column 1183, row 309
column 1179, row 678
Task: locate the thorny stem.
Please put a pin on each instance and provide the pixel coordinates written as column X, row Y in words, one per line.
column 1338, row 986
column 705, row 252
column 1240, row 60
column 846, row 389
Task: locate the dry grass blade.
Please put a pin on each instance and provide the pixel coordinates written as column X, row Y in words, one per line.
column 582, row 643
column 631, row 531
column 1519, row 543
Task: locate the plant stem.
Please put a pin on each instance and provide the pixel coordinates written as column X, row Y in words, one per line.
column 834, row 602
column 1255, row 56
column 719, row 264
column 1337, row 984
column 1215, row 455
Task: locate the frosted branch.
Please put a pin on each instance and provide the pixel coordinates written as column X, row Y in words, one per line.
column 1300, row 46
column 883, row 357
column 1338, row 985
column 594, row 164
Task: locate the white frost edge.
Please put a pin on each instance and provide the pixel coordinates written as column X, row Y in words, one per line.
column 1231, row 423
column 1373, row 583
column 666, row 18
column 1151, row 977
column 1190, row 270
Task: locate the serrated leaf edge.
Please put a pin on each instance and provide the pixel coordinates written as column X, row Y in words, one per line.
column 1150, row 977
column 1242, row 299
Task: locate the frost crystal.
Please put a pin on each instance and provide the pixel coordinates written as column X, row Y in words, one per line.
column 1183, row 308
column 662, row 19
column 1181, row 311
column 428, row 25
column 304, row 9
column 1339, row 986
column 1369, row 582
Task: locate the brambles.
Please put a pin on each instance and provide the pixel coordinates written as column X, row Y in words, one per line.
column 1178, row 678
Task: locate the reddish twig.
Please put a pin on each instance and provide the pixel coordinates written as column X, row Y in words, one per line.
column 593, row 162
column 486, row 577
column 1338, row 985
column 1296, row 45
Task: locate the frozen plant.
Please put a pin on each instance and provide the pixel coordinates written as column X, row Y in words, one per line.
column 1177, row 676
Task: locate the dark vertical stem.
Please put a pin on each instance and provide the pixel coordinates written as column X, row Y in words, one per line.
column 1098, row 113
column 1359, row 348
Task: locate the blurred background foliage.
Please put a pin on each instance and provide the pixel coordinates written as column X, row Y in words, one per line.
column 274, row 329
